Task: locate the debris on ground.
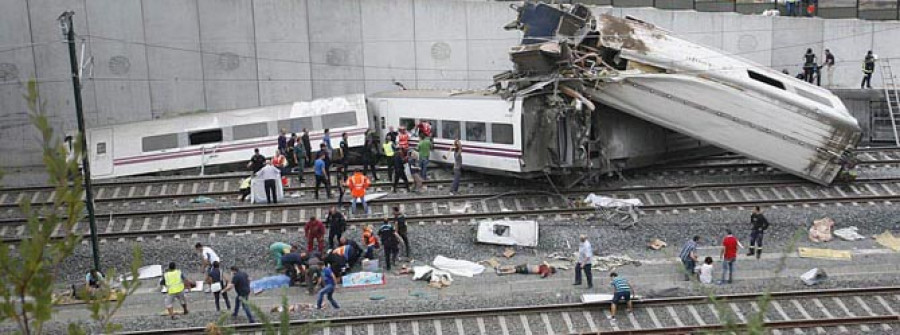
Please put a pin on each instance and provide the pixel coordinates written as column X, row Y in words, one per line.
column 203, row 200
column 292, row 308
column 609, row 263
column 888, row 240
column 825, row 253
column 465, row 208
column 508, row 232
column 849, row 234
column 564, row 256
column 813, row 277
column 620, row 212
column 509, row 252
column 146, row 272
column 362, row 279
column 596, row 297
column 493, row 262
column 821, row 230
column 657, row 244
column 435, row 278
column 458, row 267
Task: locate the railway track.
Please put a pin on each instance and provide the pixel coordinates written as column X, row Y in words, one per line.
column 863, row 310
column 465, row 207
column 150, row 189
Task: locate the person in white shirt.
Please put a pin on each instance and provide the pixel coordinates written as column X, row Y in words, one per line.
column 270, row 176
column 585, row 254
column 706, row 271
column 208, row 256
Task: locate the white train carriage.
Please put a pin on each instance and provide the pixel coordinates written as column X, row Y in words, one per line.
column 725, row 100
column 205, row 139
column 488, row 127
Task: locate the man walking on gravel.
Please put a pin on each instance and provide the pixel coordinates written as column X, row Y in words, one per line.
column 730, row 244
column 240, row 282
column 336, row 226
column 688, row 257
column 315, row 231
column 400, row 221
column 321, row 176
column 585, row 254
column 757, row 230
column 390, row 241
column 328, row 281
column 174, row 281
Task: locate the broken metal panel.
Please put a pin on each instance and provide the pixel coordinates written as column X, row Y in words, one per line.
column 508, row 232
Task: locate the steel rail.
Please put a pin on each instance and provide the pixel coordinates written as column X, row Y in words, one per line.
column 638, row 303
column 444, row 217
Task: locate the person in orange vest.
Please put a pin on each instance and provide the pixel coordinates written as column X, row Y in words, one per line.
column 358, row 183
column 370, row 241
column 403, row 139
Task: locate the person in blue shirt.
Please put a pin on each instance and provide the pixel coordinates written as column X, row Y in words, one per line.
column 326, row 138
column 321, row 176
column 240, row 283
column 621, row 291
column 328, row 281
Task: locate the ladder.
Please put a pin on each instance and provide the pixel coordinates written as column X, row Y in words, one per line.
column 892, row 97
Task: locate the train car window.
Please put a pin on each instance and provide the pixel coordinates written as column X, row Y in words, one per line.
column 765, row 79
column 476, row 132
column 296, row 125
column 253, row 130
column 101, row 148
column 205, row 136
column 501, row 133
column 339, row 120
column 409, row 124
column 159, row 142
column 450, row 129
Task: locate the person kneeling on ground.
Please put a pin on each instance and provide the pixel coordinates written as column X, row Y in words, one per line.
column 706, row 271
column 245, row 188
column 545, row 270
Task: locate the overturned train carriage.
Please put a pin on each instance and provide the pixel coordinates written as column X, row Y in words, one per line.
column 636, row 68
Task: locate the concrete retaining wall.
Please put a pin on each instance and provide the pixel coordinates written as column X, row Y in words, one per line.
column 160, row 57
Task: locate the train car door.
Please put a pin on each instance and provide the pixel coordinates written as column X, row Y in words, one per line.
column 101, row 146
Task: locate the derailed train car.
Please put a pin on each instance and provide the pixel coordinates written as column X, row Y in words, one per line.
column 573, row 58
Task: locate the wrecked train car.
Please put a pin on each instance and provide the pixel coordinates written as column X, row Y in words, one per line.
column 576, row 59
column 519, row 135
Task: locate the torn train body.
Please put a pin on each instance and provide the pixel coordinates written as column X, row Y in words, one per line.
column 580, row 66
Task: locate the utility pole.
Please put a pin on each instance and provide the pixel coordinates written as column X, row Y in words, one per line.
column 68, row 29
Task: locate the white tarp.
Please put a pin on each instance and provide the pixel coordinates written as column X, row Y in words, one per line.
column 258, row 190
column 508, row 232
column 598, row 297
column 147, row 272
column 457, row 266
column 602, row 201
column 849, row 234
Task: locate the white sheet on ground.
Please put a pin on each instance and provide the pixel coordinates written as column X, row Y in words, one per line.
column 602, row 201
column 420, row 272
column 372, row 196
column 147, row 272
column 457, row 266
column 599, row 297
column 508, row 232
column 849, row 234
column 258, row 190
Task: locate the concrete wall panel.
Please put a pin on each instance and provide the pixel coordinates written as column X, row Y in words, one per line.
column 388, row 44
column 791, row 37
column 282, row 44
column 172, row 33
column 662, row 19
column 16, row 68
column 336, row 50
column 441, row 44
column 227, row 38
column 703, row 28
column 848, row 40
column 885, row 46
column 749, row 37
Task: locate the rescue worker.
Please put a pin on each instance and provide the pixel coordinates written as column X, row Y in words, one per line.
column 240, row 282
column 315, row 231
column 400, row 221
column 321, row 176
column 257, row 161
column 358, row 183
column 279, row 249
column 292, row 263
column 759, row 224
column 245, row 187
column 400, row 170
column 174, row 281
column 456, row 151
column 868, row 69
column 809, row 65
column 403, row 140
column 392, row 135
column 326, row 139
column 369, row 240
column 292, row 141
column 282, row 141
column 270, row 176
column 829, row 68
column 307, row 146
column 388, row 148
column 311, row 270
column 300, row 159
column 279, row 161
column 390, row 241
column 370, row 154
column 336, row 226
column 424, row 150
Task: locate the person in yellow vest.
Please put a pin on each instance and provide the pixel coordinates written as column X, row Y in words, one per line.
column 388, row 147
column 175, row 282
column 358, row 183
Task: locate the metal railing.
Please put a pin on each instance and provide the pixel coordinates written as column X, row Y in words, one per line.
column 832, row 9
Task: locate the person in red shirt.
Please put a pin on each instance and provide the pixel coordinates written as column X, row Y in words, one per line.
column 314, row 230
column 730, row 245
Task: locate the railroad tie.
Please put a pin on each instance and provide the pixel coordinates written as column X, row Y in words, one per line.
column 696, row 315
column 116, row 191
column 131, row 192
column 634, row 321
column 503, row 327
column 544, row 317
column 847, row 311
column 371, row 329
column 805, row 314
column 146, row 224
column 615, row 326
column 590, row 321
column 4, row 196
column 393, row 328
column 147, row 190
column 437, row 327
column 827, row 313
column 737, row 312
column 784, row 316
column 215, row 221
column 415, row 328
column 868, row 310
column 674, row 316
column 128, row 224
column 348, row 329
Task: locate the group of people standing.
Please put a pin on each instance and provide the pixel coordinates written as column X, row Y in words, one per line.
column 730, row 245
column 812, row 71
